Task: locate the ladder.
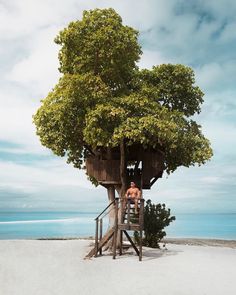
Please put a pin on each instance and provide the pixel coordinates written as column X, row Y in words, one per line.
column 125, row 220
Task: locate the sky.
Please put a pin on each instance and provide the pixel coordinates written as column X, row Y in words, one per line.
column 200, row 34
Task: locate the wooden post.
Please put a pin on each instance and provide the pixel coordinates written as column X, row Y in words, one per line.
column 140, row 245
column 141, row 211
column 100, row 237
column 121, row 241
column 115, row 228
column 128, row 212
column 122, row 210
column 96, row 238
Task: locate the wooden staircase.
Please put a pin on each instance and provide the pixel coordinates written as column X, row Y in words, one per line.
column 126, row 221
column 109, row 234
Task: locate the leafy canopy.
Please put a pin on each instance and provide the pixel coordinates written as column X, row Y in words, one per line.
column 102, row 97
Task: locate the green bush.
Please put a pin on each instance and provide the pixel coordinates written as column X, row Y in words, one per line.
column 156, row 218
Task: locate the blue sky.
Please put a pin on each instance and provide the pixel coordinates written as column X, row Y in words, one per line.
column 201, row 34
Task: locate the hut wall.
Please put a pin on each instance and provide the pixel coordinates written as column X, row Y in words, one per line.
column 107, row 171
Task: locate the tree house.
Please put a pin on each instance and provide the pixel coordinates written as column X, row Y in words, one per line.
column 147, row 168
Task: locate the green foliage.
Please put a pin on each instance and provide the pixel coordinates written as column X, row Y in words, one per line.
column 173, row 87
column 102, row 45
column 103, row 98
column 60, row 121
column 156, row 218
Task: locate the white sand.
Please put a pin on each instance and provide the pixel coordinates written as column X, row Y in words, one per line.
column 31, row 267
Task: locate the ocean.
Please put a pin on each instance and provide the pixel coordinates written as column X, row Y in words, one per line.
column 35, row 225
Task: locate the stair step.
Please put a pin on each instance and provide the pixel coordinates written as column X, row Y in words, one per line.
column 131, row 217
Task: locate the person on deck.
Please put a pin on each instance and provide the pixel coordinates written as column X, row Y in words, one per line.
column 134, row 194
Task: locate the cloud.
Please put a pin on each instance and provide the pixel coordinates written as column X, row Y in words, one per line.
column 192, row 32
column 43, row 173
column 213, row 77
column 197, row 33
column 47, row 184
column 206, row 189
column 38, row 71
column 151, row 58
column 26, row 17
column 16, row 123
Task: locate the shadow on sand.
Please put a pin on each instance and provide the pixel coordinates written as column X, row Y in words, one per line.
column 148, row 253
column 151, row 253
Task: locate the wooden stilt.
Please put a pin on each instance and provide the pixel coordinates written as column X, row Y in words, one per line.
column 140, row 245
column 131, row 242
column 121, row 241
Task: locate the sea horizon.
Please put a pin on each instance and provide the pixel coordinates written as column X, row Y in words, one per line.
column 74, row 224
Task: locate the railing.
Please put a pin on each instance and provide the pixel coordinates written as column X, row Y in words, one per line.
column 99, row 223
column 126, row 219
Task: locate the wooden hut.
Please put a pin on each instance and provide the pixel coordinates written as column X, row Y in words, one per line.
column 149, row 166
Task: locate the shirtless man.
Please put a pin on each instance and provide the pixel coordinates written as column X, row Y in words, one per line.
column 134, row 194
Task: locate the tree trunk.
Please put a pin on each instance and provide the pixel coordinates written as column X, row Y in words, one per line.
column 111, row 214
column 122, row 188
column 111, row 198
column 123, row 168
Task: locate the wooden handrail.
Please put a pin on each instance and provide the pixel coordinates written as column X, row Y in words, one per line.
column 100, row 236
column 105, row 209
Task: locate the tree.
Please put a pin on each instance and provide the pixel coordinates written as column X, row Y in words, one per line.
column 156, row 218
column 104, row 105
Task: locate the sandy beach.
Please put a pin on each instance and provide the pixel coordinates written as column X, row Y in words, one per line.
column 49, row 267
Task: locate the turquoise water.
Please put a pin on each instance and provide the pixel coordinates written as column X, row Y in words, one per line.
column 21, row 225
column 28, row 225
column 220, row 226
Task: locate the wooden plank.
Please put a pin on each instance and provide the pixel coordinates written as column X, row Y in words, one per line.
column 109, row 182
column 131, row 242
column 124, row 226
column 95, row 170
column 103, row 170
column 153, row 180
column 116, row 170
